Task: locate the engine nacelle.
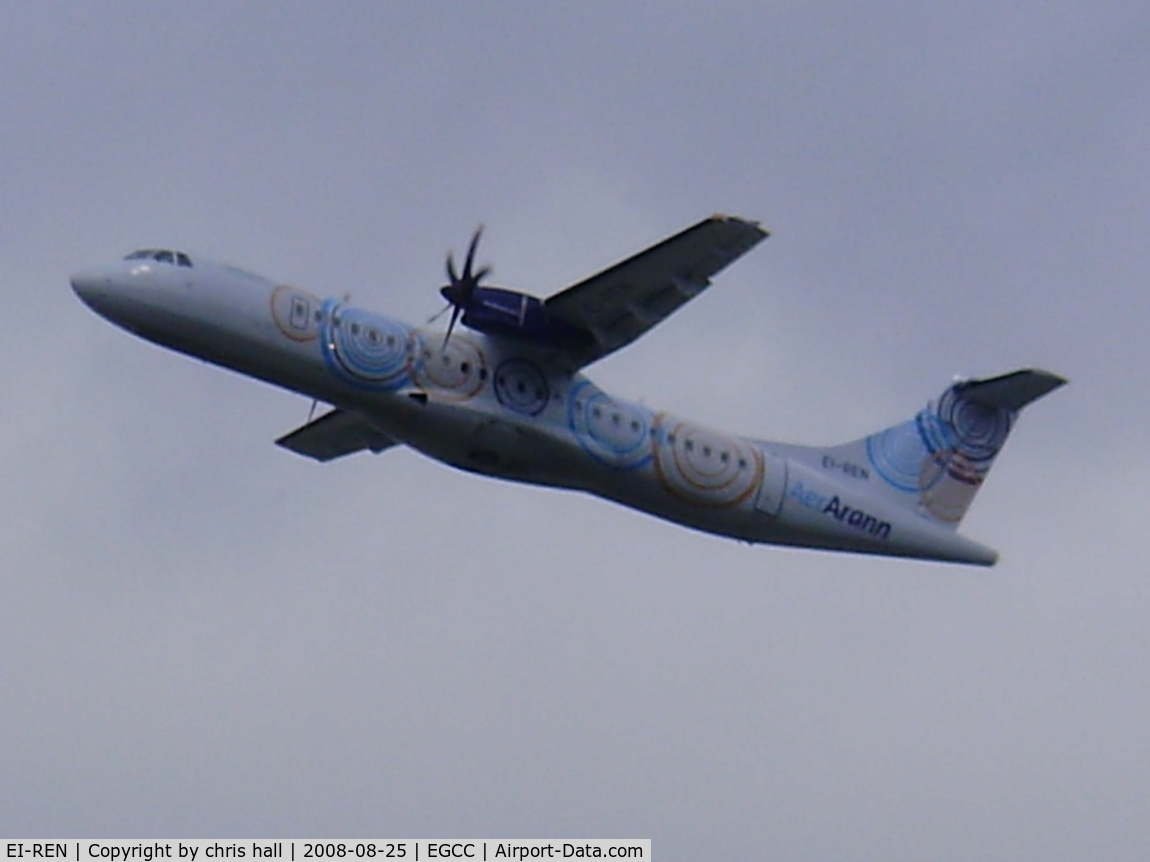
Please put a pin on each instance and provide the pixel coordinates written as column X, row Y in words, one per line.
column 511, row 314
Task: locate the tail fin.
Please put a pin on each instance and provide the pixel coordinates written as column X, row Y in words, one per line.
column 937, row 461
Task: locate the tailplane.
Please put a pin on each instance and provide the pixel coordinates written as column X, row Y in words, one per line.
column 937, row 461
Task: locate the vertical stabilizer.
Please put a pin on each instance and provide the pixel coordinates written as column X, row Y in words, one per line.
column 937, row 461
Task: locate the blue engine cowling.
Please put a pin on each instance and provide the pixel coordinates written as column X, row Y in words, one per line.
column 511, row 314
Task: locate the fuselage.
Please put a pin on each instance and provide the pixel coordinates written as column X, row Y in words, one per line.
column 507, row 409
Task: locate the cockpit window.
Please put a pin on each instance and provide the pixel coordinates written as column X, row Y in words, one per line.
column 177, row 258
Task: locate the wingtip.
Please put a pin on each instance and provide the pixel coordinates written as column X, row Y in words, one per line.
column 746, row 222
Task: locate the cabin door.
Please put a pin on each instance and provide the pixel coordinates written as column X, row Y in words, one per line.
column 774, row 487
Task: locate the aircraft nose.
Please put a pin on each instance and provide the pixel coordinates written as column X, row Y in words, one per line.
column 89, row 284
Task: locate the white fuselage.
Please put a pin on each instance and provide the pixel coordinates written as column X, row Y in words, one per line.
column 510, row 410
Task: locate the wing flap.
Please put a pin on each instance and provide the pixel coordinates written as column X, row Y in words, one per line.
column 335, row 434
column 621, row 303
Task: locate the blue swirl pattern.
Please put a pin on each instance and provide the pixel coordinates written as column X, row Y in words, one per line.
column 614, row 433
column 897, row 453
column 977, row 430
column 521, row 386
column 364, row 348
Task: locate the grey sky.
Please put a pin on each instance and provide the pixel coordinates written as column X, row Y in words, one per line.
column 201, row 634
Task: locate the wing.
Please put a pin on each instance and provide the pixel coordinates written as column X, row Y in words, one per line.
column 335, row 434
column 622, row 302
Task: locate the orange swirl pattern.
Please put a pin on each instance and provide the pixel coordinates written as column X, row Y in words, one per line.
column 704, row 467
column 456, row 372
column 294, row 312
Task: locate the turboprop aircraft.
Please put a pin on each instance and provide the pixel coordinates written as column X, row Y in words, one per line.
column 509, row 399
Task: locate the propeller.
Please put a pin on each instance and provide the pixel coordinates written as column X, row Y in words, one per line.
column 461, row 286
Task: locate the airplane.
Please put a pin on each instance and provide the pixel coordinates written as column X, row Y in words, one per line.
column 509, row 399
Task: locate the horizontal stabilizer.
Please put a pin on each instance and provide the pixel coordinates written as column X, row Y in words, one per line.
column 335, row 434
column 1012, row 391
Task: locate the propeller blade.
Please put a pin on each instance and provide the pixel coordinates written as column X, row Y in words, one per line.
column 455, row 312
column 471, row 255
column 461, row 286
